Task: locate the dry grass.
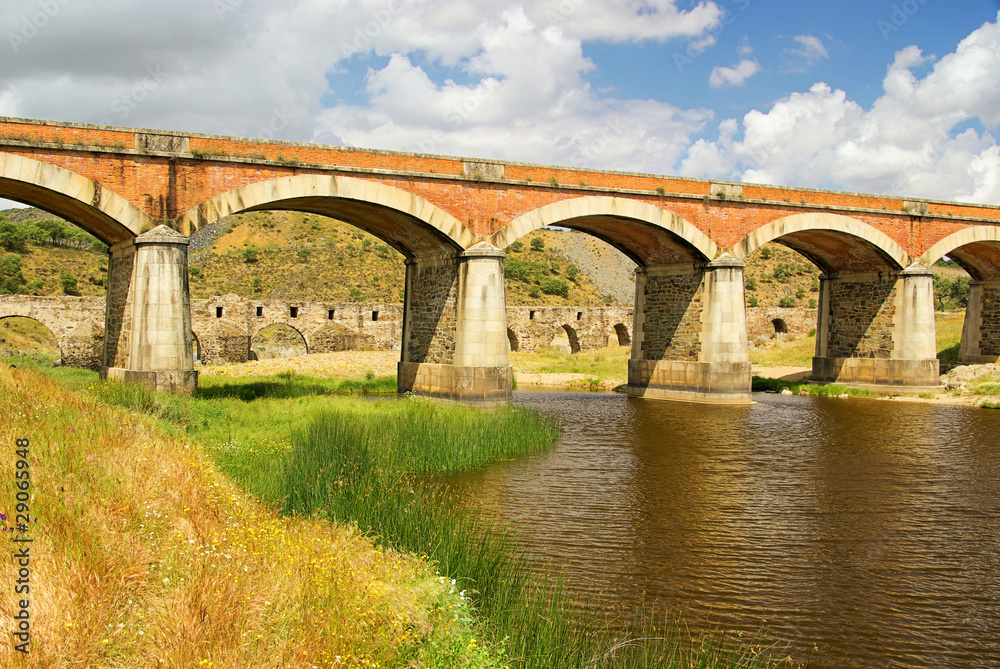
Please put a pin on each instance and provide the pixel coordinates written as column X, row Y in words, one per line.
column 146, row 556
column 606, row 363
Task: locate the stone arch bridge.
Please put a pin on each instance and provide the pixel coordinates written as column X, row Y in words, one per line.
column 143, row 192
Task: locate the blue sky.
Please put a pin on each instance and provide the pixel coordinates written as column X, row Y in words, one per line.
column 891, row 97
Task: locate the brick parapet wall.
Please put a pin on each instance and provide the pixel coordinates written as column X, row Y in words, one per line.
column 165, row 185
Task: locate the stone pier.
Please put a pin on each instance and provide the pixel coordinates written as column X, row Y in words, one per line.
column 981, row 332
column 148, row 336
column 690, row 339
column 877, row 329
column 454, row 328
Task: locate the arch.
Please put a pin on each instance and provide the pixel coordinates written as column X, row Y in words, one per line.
column 51, row 342
column 409, row 223
column 976, row 249
column 512, row 340
column 645, row 233
column 624, row 338
column 570, row 332
column 253, row 339
column 98, row 210
column 196, row 343
column 832, row 241
column 780, row 327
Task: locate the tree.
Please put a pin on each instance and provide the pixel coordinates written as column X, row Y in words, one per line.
column 751, row 283
column 68, row 283
column 537, row 243
column 12, row 236
column 959, row 291
column 554, row 287
column 516, row 247
column 751, row 301
column 250, row 254
column 765, row 253
column 11, row 278
column 787, row 302
column 572, row 273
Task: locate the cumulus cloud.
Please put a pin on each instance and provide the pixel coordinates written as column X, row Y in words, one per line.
column 733, row 76
column 916, row 139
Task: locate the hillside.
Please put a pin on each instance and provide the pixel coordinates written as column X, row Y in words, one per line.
column 291, row 255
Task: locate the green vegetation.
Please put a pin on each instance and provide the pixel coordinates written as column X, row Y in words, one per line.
column 760, row 384
column 537, row 243
column 68, row 283
column 365, row 464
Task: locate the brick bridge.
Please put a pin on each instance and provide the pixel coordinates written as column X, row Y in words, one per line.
column 224, row 327
column 144, row 191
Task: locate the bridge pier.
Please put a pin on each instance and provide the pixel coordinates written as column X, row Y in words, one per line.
column 690, row 340
column 877, row 330
column 981, row 331
column 455, row 328
column 148, row 313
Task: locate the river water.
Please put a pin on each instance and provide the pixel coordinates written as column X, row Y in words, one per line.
column 868, row 530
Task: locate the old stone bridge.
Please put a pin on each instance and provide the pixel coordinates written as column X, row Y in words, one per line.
column 224, row 327
column 144, row 191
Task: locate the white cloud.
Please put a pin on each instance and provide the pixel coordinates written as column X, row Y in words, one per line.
column 914, row 140
column 810, row 48
column 733, row 76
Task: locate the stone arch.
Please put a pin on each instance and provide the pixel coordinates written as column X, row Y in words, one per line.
column 512, row 340
column 409, row 223
column 5, row 322
column 832, row 241
column 780, row 327
column 98, row 210
column 302, row 336
column 621, row 331
column 571, row 335
column 976, row 249
column 645, row 233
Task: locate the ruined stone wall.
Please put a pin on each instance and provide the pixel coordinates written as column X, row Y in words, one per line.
column 671, row 328
column 861, row 315
column 534, row 327
column 433, row 302
column 760, row 320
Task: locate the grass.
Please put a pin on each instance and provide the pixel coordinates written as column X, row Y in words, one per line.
column 761, row 384
column 791, row 352
column 146, row 555
column 610, row 362
column 949, row 336
column 360, row 464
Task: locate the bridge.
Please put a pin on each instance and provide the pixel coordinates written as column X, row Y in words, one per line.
column 143, row 192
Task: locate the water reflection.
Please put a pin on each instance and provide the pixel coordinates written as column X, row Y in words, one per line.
column 869, row 528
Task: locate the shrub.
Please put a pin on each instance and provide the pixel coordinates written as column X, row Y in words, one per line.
column 357, row 295
column 765, row 253
column 751, row 283
column 304, row 254
column 787, row 302
column 250, row 254
column 516, row 247
column 751, row 301
column 517, row 270
column 35, row 284
column 68, row 283
column 800, row 293
column 554, row 287
column 812, row 303
column 533, row 293
column 537, row 244
column 195, row 272
column 571, row 273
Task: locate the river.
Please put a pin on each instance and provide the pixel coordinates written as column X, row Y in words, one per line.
column 865, row 532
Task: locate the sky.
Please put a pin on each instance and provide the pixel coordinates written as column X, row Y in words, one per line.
column 890, row 97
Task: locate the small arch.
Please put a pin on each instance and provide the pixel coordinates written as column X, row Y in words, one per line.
column 565, row 337
column 196, row 343
column 278, row 340
column 95, row 208
column 624, row 339
column 512, row 340
column 832, row 241
column 976, row 249
column 780, row 327
column 24, row 334
column 386, row 212
column 645, row 233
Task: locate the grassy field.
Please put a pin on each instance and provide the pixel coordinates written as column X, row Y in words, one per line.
column 609, row 362
column 329, row 463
